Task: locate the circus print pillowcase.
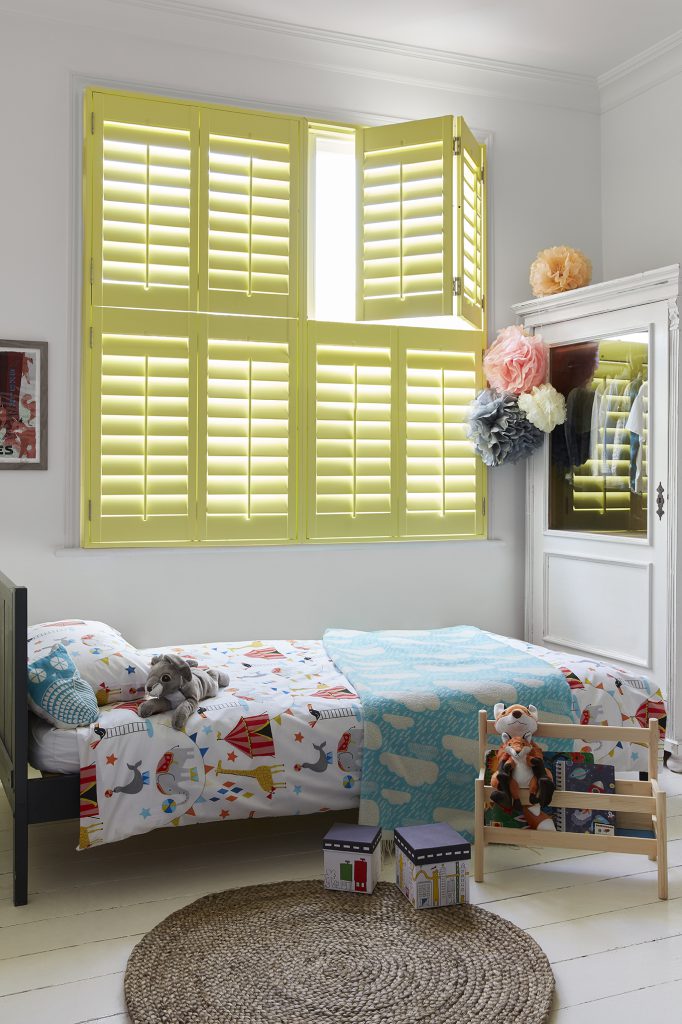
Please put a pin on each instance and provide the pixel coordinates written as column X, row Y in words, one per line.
column 114, row 669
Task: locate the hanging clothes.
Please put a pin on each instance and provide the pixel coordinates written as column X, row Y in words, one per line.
column 637, row 425
column 594, row 429
column 573, row 449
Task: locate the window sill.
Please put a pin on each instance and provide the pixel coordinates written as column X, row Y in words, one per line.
column 79, row 552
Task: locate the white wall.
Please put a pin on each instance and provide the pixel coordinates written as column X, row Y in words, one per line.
column 642, row 180
column 546, row 190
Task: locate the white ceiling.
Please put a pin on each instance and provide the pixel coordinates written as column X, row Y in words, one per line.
column 586, row 37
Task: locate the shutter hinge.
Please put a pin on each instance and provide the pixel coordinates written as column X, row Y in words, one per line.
column 457, row 145
column 482, row 175
column 92, row 123
column 92, row 271
column 90, row 511
column 457, row 286
column 90, row 335
column 483, row 303
column 484, row 507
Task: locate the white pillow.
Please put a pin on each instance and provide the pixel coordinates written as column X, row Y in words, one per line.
column 114, row 669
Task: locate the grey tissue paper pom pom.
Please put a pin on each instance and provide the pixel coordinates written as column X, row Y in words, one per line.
column 499, row 431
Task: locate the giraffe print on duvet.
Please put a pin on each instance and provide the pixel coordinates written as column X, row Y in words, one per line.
column 275, row 744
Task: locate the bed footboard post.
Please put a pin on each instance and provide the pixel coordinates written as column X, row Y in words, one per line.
column 14, row 731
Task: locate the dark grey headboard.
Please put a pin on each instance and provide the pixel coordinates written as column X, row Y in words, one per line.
column 13, row 691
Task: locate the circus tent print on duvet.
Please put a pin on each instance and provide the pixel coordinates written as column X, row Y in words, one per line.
column 285, row 738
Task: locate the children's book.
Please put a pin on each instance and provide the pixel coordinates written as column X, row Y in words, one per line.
column 502, row 818
column 584, row 778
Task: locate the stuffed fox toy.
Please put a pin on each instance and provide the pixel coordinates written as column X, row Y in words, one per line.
column 519, row 764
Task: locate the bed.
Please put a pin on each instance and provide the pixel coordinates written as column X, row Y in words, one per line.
column 288, row 736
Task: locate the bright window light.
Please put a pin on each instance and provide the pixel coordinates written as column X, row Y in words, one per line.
column 334, row 228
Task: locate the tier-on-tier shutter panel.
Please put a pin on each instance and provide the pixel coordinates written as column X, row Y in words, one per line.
column 247, row 429
column 142, row 441
column 405, row 216
column 351, row 376
column 442, row 482
column 144, row 180
column 471, row 227
column 250, row 207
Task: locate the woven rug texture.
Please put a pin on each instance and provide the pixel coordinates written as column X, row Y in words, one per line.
column 296, row 953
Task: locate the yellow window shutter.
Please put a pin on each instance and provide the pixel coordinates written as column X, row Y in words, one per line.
column 405, row 215
column 247, row 429
column 142, row 459
column 351, row 371
column 144, row 179
column 249, row 225
column 470, row 271
column 442, row 483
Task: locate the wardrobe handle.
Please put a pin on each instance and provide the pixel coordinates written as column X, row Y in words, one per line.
column 660, row 501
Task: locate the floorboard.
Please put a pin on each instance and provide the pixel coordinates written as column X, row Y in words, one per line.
column 616, row 950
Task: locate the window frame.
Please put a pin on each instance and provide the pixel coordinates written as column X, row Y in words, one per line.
column 298, row 532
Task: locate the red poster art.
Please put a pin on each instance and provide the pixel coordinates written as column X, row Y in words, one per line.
column 23, row 405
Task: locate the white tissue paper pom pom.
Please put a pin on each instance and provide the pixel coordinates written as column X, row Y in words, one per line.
column 544, row 407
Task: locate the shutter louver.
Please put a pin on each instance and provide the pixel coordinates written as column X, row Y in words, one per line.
column 141, row 438
column 250, row 181
column 247, row 430
column 405, row 212
column 470, row 227
column 442, row 478
column 350, row 378
column 144, row 244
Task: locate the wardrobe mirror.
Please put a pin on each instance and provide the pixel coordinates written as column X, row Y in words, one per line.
column 598, row 457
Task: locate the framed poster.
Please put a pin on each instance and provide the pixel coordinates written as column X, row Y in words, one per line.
column 23, row 405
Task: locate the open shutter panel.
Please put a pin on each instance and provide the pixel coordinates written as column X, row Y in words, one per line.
column 142, row 465
column 351, row 372
column 249, row 230
column 144, row 203
column 471, row 227
column 442, row 482
column 247, row 430
column 405, row 213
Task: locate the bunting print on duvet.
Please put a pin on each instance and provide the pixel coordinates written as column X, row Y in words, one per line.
column 284, row 738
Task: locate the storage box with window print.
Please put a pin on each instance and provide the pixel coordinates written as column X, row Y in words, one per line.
column 352, row 858
column 432, row 865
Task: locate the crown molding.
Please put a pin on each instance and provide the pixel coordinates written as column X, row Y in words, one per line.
column 644, row 71
column 344, row 53
column 357, row 42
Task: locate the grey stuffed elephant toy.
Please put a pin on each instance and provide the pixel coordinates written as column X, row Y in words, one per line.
column 170, row 675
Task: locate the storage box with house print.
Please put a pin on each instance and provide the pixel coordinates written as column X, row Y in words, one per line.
column 352, row 857
column 432, row 865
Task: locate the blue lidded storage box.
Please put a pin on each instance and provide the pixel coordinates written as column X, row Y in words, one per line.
column 432, row 865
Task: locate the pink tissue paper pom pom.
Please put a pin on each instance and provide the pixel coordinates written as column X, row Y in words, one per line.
column 516, row 361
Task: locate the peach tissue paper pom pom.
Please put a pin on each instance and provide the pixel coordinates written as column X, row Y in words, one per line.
column 516, row 361
column 544, row 407
column 559, row 269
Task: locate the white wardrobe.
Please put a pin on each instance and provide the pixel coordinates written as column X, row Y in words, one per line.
column 602, row 522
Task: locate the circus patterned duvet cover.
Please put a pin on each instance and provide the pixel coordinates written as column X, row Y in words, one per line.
column 285, row 738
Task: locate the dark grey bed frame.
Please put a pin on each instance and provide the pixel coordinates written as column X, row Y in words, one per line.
column 51, row 797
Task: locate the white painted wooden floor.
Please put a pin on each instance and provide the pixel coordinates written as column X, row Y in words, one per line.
column 616, row 950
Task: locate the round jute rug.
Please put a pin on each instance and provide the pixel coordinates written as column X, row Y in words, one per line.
column 295, row 953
